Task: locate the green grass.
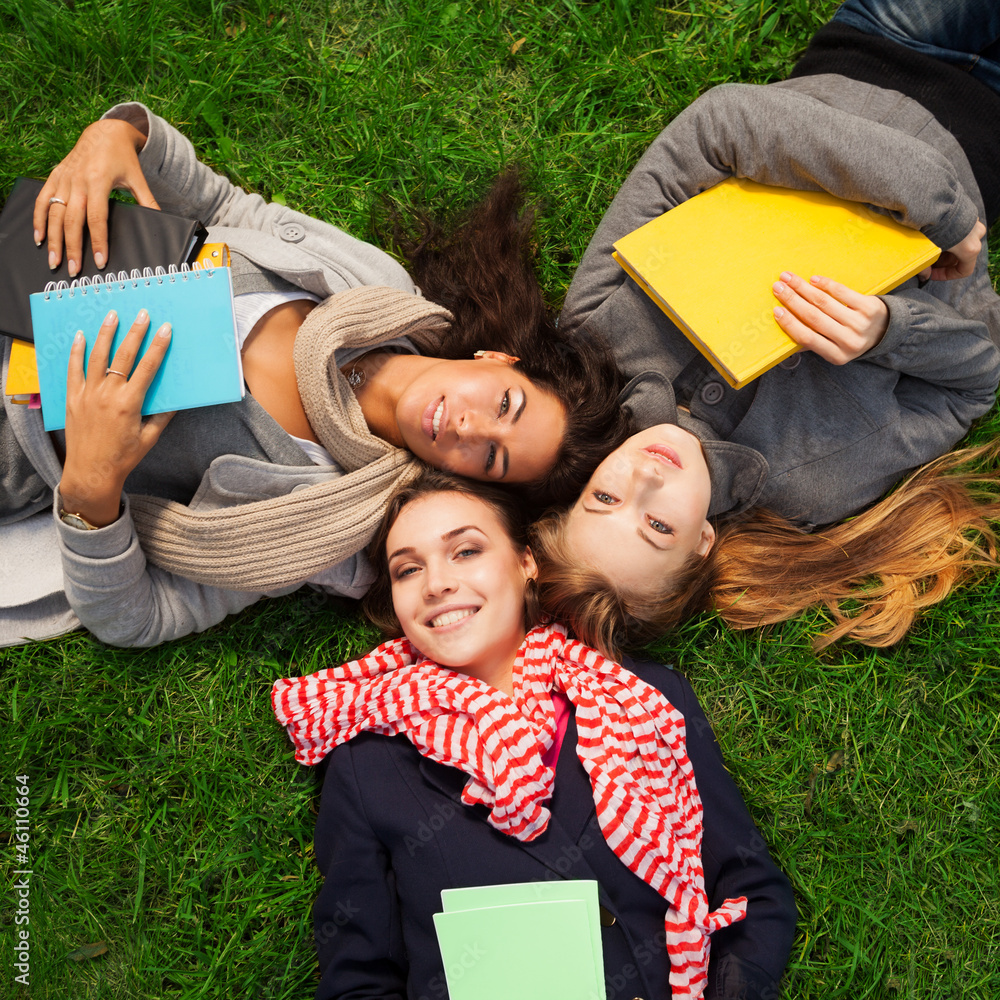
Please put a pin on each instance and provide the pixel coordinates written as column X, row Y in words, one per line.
column 168, row 817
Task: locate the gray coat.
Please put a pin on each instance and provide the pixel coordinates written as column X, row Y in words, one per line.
column 213, row 457
column 808, row 439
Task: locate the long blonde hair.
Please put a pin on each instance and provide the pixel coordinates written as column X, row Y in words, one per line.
column 905, row 553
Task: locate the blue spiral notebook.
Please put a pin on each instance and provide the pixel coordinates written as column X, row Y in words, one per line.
column 202, row 365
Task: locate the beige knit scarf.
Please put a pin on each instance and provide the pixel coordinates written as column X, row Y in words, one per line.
column 284, row 540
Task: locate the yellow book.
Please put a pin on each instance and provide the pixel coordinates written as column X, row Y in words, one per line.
column 709, row 264
column 22, row 371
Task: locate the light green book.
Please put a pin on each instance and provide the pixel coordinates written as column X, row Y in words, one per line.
column 530, row 940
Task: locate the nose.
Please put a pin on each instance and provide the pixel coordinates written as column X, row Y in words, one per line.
column 471, row 427
column 648, row 473
column 439, row 580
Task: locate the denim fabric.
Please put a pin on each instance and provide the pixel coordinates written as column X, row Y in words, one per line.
column 965, row 33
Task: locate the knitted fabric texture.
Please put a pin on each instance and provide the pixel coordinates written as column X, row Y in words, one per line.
column 285, row 540
column 631, row 741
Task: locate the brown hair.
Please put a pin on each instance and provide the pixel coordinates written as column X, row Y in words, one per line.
column 378, row 601
column 905, row 553
column 480, row 266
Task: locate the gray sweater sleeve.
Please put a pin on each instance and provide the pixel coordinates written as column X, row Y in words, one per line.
column 183, row 185
column 782, row 137
column 125, row 601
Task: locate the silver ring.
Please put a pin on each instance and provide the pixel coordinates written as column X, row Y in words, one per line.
column 114, row 371
column 57, row 201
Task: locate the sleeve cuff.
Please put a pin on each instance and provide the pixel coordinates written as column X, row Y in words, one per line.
column 136, row 114
column 104, row 543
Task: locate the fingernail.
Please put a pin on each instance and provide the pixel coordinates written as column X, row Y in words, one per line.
column 785, row 276
column 778, row 313
column 99, row 260
column 779, row 287
column 53, row 260
column 78, row 339
column 38, row 238
column 815, row 278
column 164, row 332
column 112, row 317
column 73, row 268
column 143, row 316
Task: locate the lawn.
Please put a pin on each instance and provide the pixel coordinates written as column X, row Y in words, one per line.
column 168, row 820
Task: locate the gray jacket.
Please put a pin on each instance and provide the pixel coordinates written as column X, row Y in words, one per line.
column 213, row 457
column 808, row 439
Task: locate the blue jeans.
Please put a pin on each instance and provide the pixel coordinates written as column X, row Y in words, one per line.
column 963, row 32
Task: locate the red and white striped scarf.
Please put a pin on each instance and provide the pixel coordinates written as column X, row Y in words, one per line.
column 631, row 741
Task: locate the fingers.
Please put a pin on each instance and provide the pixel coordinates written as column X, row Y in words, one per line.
column 829, row 318
column 960, row 260
column 74, row 375
column 149, row 363
column 98, row 362
column 127, row 351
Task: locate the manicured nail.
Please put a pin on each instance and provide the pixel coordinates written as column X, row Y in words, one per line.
column 778, row 313
column 99, row 260
column 73, row 268
column 815, row 279
column 786, row 276
column 779, row 287
column 53, row 260
column 143, row 316
column 38, row 238
column 111, row 318
column 164, row 332
column 78, row 339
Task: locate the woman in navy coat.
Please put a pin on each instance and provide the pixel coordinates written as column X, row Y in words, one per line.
column 393, row 829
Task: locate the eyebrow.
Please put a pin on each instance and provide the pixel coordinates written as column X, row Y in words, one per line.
column 517, row 416
column 649, row 541
column 409, row 550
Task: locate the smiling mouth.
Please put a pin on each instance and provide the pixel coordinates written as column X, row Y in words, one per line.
column 436, row 421
column 666, row 455
column 451, row 617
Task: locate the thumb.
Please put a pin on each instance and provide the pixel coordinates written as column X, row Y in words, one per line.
column 140, row 190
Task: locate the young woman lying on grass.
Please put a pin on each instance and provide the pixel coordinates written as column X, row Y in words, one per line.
column 715, row 503
column 512, row 730
column 354, row 381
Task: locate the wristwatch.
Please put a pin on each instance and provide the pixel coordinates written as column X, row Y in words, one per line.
column 77, row 521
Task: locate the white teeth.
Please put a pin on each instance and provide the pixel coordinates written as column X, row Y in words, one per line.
column 437, row 417
column 450, row 617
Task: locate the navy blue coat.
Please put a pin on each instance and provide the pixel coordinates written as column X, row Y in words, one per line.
column 392, row 833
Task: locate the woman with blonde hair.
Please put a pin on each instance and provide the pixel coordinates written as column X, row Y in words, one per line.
column 717, row 500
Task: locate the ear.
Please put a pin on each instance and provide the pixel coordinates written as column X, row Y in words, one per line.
column 528, row 565
column 508, row 359
column 706, row 541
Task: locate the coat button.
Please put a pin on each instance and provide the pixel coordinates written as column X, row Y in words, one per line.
column 712, row 392
column 292, row 232
column 790, row 363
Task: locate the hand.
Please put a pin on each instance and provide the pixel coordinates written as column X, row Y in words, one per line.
column 958, row 261
column 105, row 156
column 106, row 436
column 828, row 318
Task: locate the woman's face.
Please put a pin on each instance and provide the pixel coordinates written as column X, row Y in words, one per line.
column 482, row 419
column 644, row 511
column 458, row 583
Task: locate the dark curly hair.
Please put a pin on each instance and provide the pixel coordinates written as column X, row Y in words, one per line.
column 479, row 265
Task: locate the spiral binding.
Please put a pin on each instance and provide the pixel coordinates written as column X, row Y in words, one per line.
column 147, row 276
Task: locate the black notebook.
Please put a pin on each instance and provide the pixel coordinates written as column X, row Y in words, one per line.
column 137, row 237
